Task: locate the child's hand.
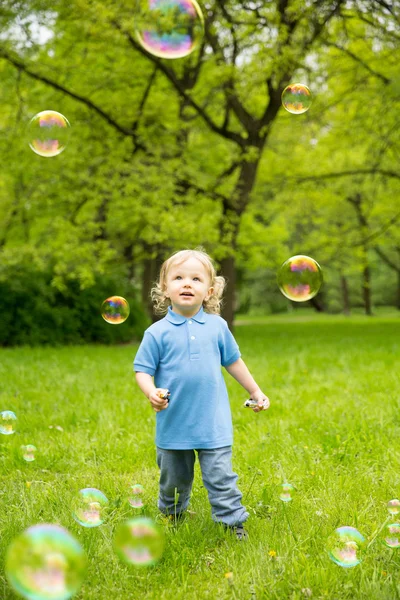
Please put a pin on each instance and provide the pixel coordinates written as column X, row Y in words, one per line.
column 156, row 400
column 262, row 399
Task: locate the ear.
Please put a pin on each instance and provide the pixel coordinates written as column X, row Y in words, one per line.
column 209, row 293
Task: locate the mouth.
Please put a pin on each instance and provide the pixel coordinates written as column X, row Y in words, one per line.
column 187, row 295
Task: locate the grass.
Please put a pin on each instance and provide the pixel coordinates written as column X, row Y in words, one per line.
column 332, row 431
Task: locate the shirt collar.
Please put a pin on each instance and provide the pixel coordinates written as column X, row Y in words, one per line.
column 176, row 319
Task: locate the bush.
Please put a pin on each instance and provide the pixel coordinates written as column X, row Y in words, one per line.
column 33, row 312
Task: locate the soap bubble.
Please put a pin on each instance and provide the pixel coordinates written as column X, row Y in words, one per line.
column 391, row 535
column 89, row 507
column 287, row 491
column 393, row 506
column 299, row 278
column 115, row 310
column 139, row 541
column 136, row 496
column 296, row 98
column 169, row 28
column 28, row 452
column 8, row 421
column 48, row 133
column 345, row 546
column 45, row 562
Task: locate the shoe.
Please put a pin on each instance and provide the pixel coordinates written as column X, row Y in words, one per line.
column 238, row 530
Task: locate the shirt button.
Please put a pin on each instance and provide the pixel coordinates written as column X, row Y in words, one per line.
column 192, row 337
column 190, row 322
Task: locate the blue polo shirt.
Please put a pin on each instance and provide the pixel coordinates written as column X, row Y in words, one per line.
column 185, row 356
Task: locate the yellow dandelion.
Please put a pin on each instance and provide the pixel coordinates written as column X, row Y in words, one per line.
column 229, row 575
column 28, row 484
column 272, row 553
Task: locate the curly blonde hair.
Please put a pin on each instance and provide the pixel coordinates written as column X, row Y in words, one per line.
column 217, row 282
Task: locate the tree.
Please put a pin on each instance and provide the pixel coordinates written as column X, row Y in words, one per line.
column 221, row 104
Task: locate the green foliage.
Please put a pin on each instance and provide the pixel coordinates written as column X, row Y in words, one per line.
column 35, row 312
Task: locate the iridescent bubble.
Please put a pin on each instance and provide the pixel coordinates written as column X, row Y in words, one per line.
column 169, row 28
column 115, row 310
column 287, row 491
column 136, row 496
column 391, row 535
column 8, row 421
column 45, row 562
column 345, row 546
column 296, row 98
column 139, row 541
column 89, row 507
column 299, row 278
column 393, row 506
column 28, row 452
column 48, row 133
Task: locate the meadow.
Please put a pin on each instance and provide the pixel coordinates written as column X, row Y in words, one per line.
column 332, row 432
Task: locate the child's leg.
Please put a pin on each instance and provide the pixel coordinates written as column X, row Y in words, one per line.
column 177, row 472
column 220, row 482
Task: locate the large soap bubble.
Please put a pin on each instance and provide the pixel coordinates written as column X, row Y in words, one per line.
column 296, row 98
column 8, row 420
column 299, row 278
column 89, row 507
column 169, row 28
column 139, row 542
column 48, row 133
column 345, row 546
column 45, row 562
column 115, row 310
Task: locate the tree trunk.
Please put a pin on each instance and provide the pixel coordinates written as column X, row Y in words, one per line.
column 345, row 295
column 229, row 230
column 151, row 270
column 229, row 272
column 367, row 290
column 398, row 291
column 317, row 304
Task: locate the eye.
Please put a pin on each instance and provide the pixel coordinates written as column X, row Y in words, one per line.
column 196, row 278
column 178, row 277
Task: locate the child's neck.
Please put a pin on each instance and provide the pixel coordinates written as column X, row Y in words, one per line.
column 190, row 312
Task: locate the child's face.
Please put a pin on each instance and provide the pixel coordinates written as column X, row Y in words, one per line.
column 187, row 286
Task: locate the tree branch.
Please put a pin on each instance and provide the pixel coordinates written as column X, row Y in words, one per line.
column 374, row 171
column 360, row 61
column 20, row 65
column 386, row 259
column 171, row 76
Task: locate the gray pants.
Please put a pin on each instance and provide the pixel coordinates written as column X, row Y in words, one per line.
column 177, row 471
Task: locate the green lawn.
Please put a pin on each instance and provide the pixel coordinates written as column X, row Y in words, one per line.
column 332, row 431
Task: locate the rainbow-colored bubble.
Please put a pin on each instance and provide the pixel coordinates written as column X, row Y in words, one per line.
column 136, row 496
column 300, row 278
column 296, row 98
column 28, row 452
column 139, row 542
column 391, row 535
column 45, row 562
column 8, row 421
column 48, row 133
column 115, row 310
column 393, row 506
column 286, row 492
column 169, row 28
column 89, row 507
column 345, row 546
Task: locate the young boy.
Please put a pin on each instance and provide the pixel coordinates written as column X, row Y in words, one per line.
column 184, row 352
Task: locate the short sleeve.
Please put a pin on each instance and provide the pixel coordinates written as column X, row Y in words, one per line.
column 228, row 346
column 147, row 356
